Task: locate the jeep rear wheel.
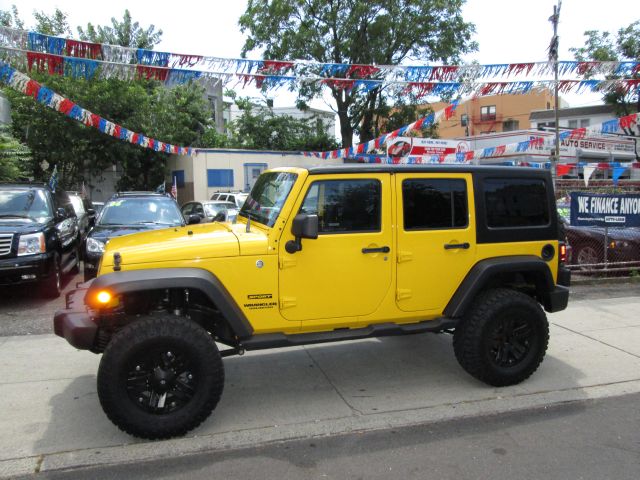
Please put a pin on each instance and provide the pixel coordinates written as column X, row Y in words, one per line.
column 503, row 337
column 160, row 377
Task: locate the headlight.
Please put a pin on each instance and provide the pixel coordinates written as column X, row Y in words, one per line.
column 94, row 246
column 31, row 244
column 618, row 244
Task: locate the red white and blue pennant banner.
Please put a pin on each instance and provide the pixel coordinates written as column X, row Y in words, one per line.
column 74, row 57
column 27, row 86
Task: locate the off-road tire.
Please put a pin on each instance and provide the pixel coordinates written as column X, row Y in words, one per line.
column 51, row 287
column 500, row 325
column 162, row 332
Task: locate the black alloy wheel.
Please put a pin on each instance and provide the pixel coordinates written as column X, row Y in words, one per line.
column 510, row 341
column 161, row 381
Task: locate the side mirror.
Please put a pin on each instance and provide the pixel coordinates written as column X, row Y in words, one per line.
column 61, row 213
column 304, row 226
column 193, row 219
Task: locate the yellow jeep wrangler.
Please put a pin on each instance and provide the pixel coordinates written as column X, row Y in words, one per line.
column 320, row 255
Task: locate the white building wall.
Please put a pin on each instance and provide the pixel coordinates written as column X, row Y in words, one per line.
column 239, row 163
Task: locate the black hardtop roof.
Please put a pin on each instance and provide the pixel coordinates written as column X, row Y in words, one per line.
column 431, row 168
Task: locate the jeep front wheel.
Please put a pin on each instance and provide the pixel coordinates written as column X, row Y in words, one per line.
column 160, row 377
column 502, row 338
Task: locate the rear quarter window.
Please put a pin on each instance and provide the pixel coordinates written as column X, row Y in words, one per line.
column 516, row 202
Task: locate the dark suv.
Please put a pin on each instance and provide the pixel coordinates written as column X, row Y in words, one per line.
column 125, row 213
column 39, row 239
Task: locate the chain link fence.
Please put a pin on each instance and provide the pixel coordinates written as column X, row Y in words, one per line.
column 599, row 250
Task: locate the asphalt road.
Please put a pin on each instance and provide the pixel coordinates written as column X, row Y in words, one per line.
column 24, row 312
column 594, row 439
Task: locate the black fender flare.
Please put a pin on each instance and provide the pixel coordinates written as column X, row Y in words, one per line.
column 164, row 278
column 483, row 271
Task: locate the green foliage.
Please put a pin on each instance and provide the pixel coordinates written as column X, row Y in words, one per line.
column 258, row 128
column 55, row 24
column 126, row 33
column 11, row 18
column 178, row 116
column 603, row 46
column 383, row 32
column 14, row 157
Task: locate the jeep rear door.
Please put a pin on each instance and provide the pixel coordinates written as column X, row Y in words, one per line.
column 347, row 271
column 436, row 238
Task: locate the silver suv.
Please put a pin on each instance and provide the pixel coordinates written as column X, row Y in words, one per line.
column 234, row 197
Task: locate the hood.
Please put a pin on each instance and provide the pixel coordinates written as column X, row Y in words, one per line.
column 105, row 232
column 22, row 225
column 186, row 244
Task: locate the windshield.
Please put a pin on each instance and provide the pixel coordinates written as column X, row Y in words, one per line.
column 77, row 204
column 24, row 203
column 267, row 197
column 140, row 211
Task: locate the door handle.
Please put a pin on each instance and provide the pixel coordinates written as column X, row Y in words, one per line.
column 376, row 250
column 451, row 246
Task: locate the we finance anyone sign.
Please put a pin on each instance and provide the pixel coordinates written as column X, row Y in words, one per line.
column 599, row 209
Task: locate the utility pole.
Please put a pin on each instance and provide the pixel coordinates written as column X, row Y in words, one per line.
column 553, row 57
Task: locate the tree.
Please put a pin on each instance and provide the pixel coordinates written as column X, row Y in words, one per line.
column 55, row 25
column 14, row 156
column 11, row 18
column 179, row 116
column 605, row 47
column 383, row 32
column 259, row 128
column 126, row 33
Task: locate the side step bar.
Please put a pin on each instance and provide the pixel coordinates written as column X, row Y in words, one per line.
column 276, row 340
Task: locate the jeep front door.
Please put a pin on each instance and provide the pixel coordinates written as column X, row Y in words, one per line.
column 436, row 238
column 346, row 271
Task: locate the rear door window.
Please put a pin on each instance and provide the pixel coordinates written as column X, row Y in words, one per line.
column 431, row 203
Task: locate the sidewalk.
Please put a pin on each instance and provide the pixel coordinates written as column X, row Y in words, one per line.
column 51, row 416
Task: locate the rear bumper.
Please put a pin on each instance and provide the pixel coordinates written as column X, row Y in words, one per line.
column 557, row 299
column 75, row 323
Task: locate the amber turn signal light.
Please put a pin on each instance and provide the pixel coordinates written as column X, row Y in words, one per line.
column 104, row 297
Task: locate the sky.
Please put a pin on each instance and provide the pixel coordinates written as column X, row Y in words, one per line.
column 507, row 31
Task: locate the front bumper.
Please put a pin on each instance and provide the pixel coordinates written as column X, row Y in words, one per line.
column 25, row 269
column 76, row 323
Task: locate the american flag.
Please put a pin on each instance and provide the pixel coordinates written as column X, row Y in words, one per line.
column 174, row 188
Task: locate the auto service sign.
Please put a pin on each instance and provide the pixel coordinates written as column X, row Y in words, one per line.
column 588, row 209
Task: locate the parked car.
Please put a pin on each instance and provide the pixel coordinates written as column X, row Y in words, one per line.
column 125, row 213
column 234, row 197
column 86, row 216
column 210, row 211
column 98, row 207
column 39, row 238
column 588, row 244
